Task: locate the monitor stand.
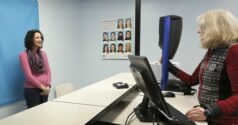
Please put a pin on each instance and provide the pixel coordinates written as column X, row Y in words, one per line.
column 146, row 112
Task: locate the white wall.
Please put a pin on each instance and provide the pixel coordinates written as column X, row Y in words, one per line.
column 72, row 31
column 59, row 22
column 73, row 38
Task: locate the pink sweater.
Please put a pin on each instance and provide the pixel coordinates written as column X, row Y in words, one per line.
column 33, row 79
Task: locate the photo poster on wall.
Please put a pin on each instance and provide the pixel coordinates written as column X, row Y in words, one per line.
column 117, row 38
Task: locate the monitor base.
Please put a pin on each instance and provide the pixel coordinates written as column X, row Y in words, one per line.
column 148, row 114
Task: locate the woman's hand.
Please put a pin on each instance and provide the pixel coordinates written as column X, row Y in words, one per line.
column 196, row 114
column 46, row 90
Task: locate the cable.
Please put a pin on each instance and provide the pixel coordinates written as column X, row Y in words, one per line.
column 128, row 117
column 155, row 117
column 131, row 118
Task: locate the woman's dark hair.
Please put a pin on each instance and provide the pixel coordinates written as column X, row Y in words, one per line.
column 120, row 44
column 105, row 33
column 29, row 38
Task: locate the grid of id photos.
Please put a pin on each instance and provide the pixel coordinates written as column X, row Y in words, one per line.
column 117, row 38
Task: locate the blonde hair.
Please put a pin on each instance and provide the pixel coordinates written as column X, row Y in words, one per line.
column 219, row 28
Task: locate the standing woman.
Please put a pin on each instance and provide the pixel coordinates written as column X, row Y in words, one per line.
column 36, row 68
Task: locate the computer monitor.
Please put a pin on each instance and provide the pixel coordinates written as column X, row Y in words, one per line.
column 153, row 106
column 146, row 82
column 170, row 29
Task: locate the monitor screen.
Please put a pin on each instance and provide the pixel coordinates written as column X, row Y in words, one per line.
column 170, row 30
column 146, row 82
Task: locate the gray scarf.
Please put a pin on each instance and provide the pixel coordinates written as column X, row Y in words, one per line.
column 36, row 62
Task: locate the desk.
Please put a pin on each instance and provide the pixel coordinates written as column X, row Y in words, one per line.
column 54, row 113
column 89, row 104
column 120, row 112
column 101, row 93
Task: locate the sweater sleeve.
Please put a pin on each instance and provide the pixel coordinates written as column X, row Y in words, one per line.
column 188, row 79
column 47, row 68
column 230, row 105
column 27, row 70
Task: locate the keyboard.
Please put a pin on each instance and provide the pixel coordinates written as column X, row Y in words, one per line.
column 178, row 117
